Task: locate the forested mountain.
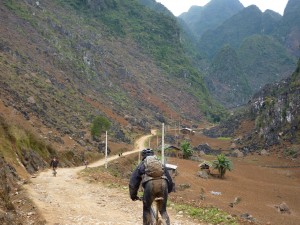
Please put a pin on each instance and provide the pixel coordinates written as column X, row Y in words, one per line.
column 156, row 6
column 226, row 79
column 249, row 21
column 264, row 60
column 200, row 19
column 266, row 44
column 289, row 29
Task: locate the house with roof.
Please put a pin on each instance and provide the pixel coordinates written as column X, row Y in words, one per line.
column 186, row 130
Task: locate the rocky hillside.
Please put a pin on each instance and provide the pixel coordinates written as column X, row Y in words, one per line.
column 270, row 119
column 64, row 62
column 21, row 153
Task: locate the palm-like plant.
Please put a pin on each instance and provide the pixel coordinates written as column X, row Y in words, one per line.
column 222, row 164
column 187, row 150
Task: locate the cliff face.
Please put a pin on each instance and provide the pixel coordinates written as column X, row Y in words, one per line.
column 277, row 111
column 272, row 117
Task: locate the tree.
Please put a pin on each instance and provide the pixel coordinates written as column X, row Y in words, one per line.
column 222, row 164
column 99, row 125
column 186, row 149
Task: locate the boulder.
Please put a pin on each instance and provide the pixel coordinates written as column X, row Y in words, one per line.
column 283, row 208
column 203, row 174
column 233, row 146
column 238, row 153
column 264, row 152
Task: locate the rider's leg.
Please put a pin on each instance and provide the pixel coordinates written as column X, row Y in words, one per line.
column 54, row 170
column 152, row 190
column 162, row 205
column 147, row 202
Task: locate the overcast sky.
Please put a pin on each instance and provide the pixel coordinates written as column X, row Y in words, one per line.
column 179, row 6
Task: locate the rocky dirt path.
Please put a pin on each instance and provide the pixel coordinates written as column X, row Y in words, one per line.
column 66, row 199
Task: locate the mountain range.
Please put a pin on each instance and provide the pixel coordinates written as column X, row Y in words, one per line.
column 266, row 45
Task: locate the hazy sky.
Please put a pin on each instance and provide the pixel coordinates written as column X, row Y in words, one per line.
column 179, row 6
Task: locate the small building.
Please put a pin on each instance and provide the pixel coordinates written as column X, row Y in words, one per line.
column 187, row 131
column 172, row 151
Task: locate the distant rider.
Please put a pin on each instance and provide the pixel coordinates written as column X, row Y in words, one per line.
column 153, row 188
column 54, row 163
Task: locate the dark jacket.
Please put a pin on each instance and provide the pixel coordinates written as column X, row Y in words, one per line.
column 54, row 163
column 137, row 177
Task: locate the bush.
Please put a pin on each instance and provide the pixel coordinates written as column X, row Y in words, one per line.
column 187, row 150
column 99, row 125
column 222, row 164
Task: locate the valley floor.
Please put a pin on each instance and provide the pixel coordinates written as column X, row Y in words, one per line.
column 254, row 181
column 260, row 183
column 67, row 199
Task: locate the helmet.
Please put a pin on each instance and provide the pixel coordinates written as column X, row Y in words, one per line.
column 147, row 152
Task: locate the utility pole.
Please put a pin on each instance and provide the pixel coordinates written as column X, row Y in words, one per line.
column 106, row 150
column 163, row 144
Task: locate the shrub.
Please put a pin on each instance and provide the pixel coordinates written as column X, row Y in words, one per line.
column 222, row 164
column 187, row 150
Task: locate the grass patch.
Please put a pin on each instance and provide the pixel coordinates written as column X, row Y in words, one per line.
column 211, row 215
column 291, row 152
column 20, row 10
column 224, row 138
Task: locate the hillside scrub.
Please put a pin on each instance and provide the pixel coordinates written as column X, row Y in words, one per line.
column 119, row 59
column 18, row 144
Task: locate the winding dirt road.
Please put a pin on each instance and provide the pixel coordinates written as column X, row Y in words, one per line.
column 66, row 199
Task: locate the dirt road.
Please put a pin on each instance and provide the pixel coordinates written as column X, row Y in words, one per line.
column 66, row 199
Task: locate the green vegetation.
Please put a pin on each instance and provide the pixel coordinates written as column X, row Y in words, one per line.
column 86, row 60
column 21, row 11
column 224, row 138
column 99, row 125
column 158, row 35
column 222, row 164
column 296, row 76
column 15, row 141
column 210, row 215
column 291, row 152
column 186, row 149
